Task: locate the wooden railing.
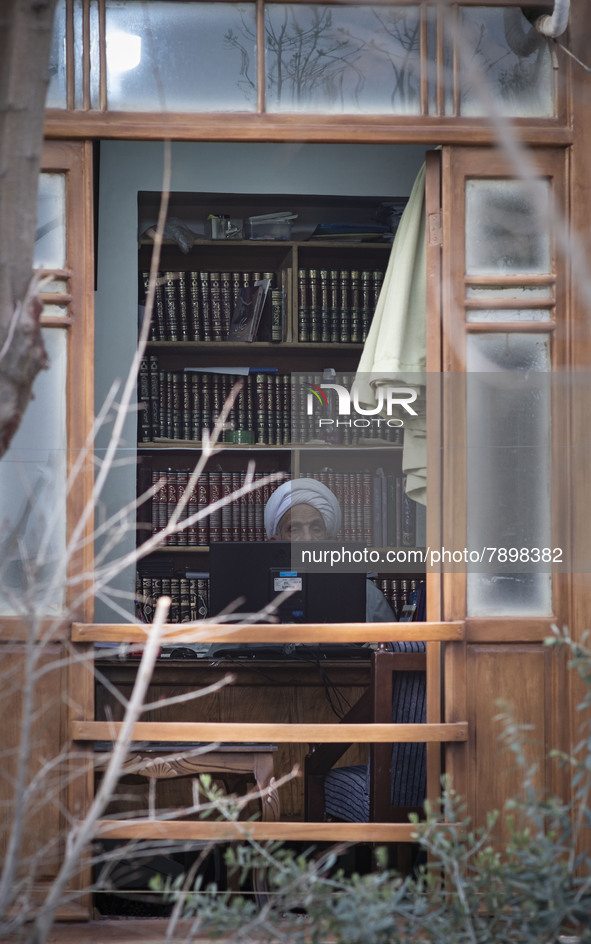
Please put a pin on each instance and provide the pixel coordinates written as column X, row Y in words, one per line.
column 87, row 730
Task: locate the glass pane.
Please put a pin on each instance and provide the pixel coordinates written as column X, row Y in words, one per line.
column 59, row 286
column 342, row 59
column 506, row 230
column 509, row 291
column 56, row 91
column 210, row 61
column 505, row 314
column 50, row 238
column 502, row 49
column 33, row 494
column 508, row 467
column 55, row 311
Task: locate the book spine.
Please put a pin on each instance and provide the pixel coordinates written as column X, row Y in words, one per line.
column 184, row 601
column 367, row 306
column 215, row 298
column 177, row 404
column 334, row 305
column 355, row 307
column 192, row 509
column 226, row 486
column 202, row 598
column 183, row 307
column 345, row 314
column 225, row 303
column 195, row 331
column 236, row 507
column 202, row 525
column 170, row 302
column 145, row 285
column 186, row 392
column 206, row 422
column 377, row 279
column 314, row 316
column 303, row 309
column 324, row 306
column 154, row 396
column 170, row 502
column 277, row 314
column 159, row 501
column 271, row 387
column 195, row 407
column 144, row 404
column 261, row 409
column 169, row 412
column 215, row 518
column 205, row 307
column 182, row 478
column 236, row 278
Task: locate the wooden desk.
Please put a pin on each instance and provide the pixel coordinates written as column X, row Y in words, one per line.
column 281, row 691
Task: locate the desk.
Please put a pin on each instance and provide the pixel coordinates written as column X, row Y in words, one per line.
column 282, row 691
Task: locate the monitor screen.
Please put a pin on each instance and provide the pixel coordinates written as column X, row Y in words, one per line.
column 255, row 573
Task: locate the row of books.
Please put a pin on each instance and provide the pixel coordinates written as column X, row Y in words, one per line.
column 406, row 597
column 337, row 305
column 239, row 520
column 190, row 597
column 201, row 305
column 270, row 409
column 375, row 511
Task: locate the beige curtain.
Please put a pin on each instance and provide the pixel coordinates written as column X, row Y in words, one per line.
column 395, row 349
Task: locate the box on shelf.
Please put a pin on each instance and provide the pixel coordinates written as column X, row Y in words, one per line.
column 270, row 225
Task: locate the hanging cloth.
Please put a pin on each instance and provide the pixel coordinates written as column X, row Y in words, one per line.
column 395, row 349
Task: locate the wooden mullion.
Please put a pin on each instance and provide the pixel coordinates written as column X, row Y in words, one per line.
column 269, row 732
column 102, row 29
column 70, row 57
column 299, row 632
column 424, row 59
column 510, row 327
column 86, row 55
column 183, row 830
column 261, row 74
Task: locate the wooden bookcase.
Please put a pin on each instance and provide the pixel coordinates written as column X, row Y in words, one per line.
column 296, row 263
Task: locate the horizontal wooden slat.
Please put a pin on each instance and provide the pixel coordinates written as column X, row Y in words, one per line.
column 276, row 633
column 213, row 731
column 288, row 831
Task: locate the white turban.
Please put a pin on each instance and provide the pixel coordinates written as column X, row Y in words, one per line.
column 303, row 492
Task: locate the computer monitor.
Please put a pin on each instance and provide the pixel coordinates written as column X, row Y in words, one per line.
column 258, row 572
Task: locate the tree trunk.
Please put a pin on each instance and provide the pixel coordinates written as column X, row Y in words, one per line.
column 25, row 41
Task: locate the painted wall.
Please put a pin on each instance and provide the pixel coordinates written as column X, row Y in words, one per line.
column 128, row 167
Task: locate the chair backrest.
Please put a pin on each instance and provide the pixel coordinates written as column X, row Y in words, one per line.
column 409, row 706
column 398, row 771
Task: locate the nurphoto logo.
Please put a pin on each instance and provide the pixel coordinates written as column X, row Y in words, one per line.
column 390, row 400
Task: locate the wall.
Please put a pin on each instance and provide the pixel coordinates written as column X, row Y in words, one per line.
column 128, row 167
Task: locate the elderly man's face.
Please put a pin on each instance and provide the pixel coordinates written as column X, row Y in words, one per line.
column 302, row 523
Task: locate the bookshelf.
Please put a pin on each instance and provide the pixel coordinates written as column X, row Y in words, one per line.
column 321, row 297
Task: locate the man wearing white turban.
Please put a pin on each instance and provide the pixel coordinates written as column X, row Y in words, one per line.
column 307, row 510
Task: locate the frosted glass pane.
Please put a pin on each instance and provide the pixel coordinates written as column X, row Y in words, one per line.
column 33, row 493
column 508, row 467
column 50, row 238
column 506, row 314
column 180, row 56
column 334, row 59
column 56, row 91
column 506, row 229
column 509, row 291
column 502, row 49
column 55, row 311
